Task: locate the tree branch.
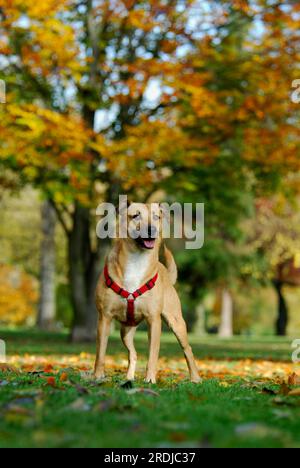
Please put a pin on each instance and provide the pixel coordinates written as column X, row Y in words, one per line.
column 59, row 214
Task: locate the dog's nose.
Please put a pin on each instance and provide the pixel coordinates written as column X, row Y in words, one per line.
column 152, row 231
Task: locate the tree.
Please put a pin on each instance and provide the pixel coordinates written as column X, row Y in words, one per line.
column 226, row 327
column 74, row 68
column 63, row 63
column 18, row 296
column 275, row 235
column 236, row 112
column 47, row 302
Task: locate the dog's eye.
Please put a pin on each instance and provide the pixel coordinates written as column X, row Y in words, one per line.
column 156, row 217
column 136, row 216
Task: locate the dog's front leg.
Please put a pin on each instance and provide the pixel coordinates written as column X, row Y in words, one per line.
column 102, row 339
column 154, row 345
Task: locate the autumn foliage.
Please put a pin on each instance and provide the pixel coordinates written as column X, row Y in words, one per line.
column 18, row 296
column 148, row 97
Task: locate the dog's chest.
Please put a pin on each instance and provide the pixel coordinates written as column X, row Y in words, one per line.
column 135, row 271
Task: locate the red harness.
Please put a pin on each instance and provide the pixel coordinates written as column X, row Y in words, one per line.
column 130, row 297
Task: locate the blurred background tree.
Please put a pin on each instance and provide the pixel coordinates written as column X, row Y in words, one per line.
column 174, row 99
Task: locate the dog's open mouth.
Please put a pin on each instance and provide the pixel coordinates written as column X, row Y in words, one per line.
column 146, row 243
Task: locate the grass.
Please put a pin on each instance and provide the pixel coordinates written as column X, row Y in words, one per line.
column 48, row 399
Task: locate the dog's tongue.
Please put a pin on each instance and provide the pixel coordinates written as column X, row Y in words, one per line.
column 149, row 243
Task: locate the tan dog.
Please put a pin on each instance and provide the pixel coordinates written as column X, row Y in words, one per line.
column 130, row 264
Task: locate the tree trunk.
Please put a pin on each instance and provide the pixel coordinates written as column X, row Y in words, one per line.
column 85, row 265
column 282, row 318
column 47, row 306
column 226, row 328
column 199, row 327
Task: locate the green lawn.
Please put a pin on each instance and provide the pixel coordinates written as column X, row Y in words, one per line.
column 47, row 398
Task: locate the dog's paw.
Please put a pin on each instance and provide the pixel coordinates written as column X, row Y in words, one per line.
column 99, row 377
column 87, row 375
column 196, row 379
column 150, row 380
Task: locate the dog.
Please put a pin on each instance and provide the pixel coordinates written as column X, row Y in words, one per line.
column 136, row 286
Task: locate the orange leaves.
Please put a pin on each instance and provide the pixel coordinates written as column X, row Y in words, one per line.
column 41, row 139
column 52, row 44
column 295, row 392
column 56, row 46
column 18, row 296
column 8, row 369
column 63, row 377
column 243, row 5
column 294, row 379
column 245, row 95
column 48, row 368
column 57, row 370
column 4, row 47
column 221, row 88
column 35, row 10
column 51, row 381
column 140, row 19
column 143, row 157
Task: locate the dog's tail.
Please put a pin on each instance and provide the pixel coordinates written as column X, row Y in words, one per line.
column 170, row 264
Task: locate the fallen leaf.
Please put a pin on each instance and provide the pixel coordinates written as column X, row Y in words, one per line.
column 284, row 389
column 63, row 377
column 294, row 392
column 178, row 437
column 148, row 391
column 224, row 384
column 7, row 368
column 51, row 381
column 105, row 405
column 80, row 405
column 17, row 414
column 294, row 379
column 193, row 397
column 81, row 390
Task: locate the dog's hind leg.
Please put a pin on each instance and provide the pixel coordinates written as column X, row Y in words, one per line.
column 173, row 316
column 127, row 335
column 102, row 339
column 154, row 333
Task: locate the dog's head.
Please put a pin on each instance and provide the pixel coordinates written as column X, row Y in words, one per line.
column 142, row 224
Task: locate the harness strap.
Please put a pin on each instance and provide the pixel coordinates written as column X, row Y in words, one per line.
column 130, row 297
